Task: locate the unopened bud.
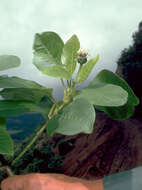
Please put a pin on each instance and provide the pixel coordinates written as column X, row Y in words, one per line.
column 82, row 56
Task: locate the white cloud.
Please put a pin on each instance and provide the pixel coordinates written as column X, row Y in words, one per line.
column 103, row 27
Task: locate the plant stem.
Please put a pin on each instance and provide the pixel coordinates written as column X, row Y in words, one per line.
column 68, row 82
column 63, row 85
column 30, row 144
column 7, row 170
column 53, row 99
column 80, row 66
column 50, row 115
column 71, row 83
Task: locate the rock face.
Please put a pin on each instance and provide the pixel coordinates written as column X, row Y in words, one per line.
column 113, row 146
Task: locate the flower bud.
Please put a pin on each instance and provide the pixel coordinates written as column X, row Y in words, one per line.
column 82, row 56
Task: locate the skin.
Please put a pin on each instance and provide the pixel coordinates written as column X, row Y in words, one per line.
column 49, row 182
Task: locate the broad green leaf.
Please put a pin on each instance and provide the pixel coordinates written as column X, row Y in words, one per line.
column 27, row 94
column 58, row 72
column 8, row 62
column 106, row 95
column 86, row 69
column 2, row 122
column 118, row 113
column 122, row 112
column 74, row 118
column 16, row 82
column 49, row 69
column 23, row 90
column 14, row 108
column 69, row 55
column 41, row 62
column 49, row 45
column 6, row 143
column 108, row 77
column 41, row 99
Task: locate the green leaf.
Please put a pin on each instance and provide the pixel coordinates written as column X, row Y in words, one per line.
column 57, row 71
column 16, row 82
column 8, row 62
column 20, row 89
column 42, row 98
column 45, row 104
column 86, row 69
column 49, row 45
column 122, row 112
column 26, row 94
column 15, row 108
column 41, row 62
column 74, row 118
column 69, row 55
column 6, row 143
column 118, row 113
column 2, row 122
column 106, row 95
column 108, row 77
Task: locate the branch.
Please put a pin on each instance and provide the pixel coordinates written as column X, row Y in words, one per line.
column 7, row 170
column 38, row 133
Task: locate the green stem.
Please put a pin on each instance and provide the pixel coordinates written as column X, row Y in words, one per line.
column 51, row 113
column 30, row 144
column 80, row 66
column 71, row 83
column 53, row 99
column 68, row 82
column 63, row 85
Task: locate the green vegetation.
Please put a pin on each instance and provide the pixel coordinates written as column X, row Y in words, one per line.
column 76, row 112
column 131, row 62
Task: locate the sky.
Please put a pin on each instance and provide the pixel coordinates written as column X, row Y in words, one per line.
column 103, row 27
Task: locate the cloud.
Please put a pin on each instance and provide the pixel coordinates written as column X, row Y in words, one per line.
column 103, row 27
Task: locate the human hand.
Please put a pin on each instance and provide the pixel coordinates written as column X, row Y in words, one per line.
column 49, row 182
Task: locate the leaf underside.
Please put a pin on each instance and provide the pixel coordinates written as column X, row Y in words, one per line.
column 77, row 117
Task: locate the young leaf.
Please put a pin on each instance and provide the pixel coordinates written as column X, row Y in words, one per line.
column 41, row 62
column 57, row 71
column 49, row 69
column 106, row 95
column 6, row 143
column 86, row 69
column 77, row 117
column 69, row 55
column 49, row 44
column 122, row 112
column 2, row 122
column 8, row 62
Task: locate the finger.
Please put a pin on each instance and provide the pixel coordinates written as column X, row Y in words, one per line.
column 11, row 183
column 4, row 186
